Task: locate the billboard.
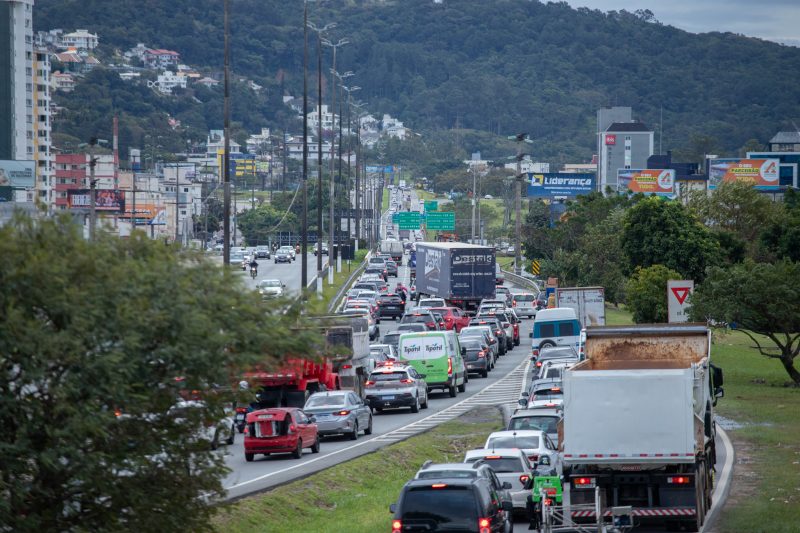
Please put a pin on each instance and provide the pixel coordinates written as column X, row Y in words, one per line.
column 659, row 182
column 610, row 139
column 764, row 174
column 559, row 184
column 18, row 174
column 146, row 212
column 107, row 200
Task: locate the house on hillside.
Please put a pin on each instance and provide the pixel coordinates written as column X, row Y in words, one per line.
column 80, row 40
column 160, row 58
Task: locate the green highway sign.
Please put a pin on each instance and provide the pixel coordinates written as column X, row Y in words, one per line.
column 408, row 220
column 394, row 218
column 431, row 205
column 444, row 220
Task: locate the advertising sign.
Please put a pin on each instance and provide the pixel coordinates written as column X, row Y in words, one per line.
column 764, row 174
column 611, row 139
column 422, row 347
column 656, row 182
column 106, row 200
column 18, row 174
column 559, row 184
column 144, row 212
column 678, row 292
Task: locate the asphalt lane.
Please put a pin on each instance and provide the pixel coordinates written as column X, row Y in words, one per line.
column 288, row 273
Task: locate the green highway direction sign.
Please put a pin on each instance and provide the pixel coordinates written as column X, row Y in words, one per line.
column 408, row 220
column 444, row 220
column 431, row 205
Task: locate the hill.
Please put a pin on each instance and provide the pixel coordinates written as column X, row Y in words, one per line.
column 502, row 66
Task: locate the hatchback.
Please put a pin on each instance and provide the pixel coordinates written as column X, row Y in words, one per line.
column 279, row 430
column 391, row 306
column 535, row 443
column 477, row 356
column 510, row 465
column 394, row 384
column 524, row 304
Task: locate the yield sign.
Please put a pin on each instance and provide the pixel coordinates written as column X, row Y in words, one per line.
column 680, row 293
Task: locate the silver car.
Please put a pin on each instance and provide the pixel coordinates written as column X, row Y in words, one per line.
column 339, row 413
column 396, row 385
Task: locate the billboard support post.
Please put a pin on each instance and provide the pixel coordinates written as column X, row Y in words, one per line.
column 92, row 206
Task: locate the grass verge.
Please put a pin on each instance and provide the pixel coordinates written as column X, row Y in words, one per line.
column 355, row 496
column 765, row 493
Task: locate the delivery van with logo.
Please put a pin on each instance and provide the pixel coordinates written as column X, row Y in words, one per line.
column 438, row 355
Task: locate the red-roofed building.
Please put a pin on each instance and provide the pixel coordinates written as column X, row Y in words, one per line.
column 159, row 58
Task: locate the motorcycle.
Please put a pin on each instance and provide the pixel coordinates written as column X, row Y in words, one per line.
column 240, row 419
column 253, row 272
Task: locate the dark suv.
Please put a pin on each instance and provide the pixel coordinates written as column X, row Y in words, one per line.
column 449, row 504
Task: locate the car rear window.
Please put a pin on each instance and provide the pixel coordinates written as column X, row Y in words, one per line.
column 548, row 394
column 415, row 319
column 548, row 424
column 453, row 506
column 388, row 376
column 471, row 344
column 513, row 442
column 328, row 400
column 501, row 465
column 439, row 474
column 524, row 298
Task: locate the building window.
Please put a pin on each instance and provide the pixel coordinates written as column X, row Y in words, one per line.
column 627, row 147
column 627, row 167
column 627, row 137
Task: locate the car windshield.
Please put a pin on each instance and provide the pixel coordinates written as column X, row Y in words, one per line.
column 269, row 283
column 439, row 474
column 326, row 400
column 501, row 465
column 510, row 441
column 548, row 424
column 451, row 506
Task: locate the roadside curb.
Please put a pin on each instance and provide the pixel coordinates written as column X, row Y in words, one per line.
column 723, row 486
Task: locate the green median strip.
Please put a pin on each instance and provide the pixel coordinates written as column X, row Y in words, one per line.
column 355, row 496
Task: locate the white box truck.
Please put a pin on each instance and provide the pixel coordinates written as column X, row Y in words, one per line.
column 589, row 303
column 639, row 423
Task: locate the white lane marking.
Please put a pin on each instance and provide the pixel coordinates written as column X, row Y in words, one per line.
column 378, row 439
column 721, row 488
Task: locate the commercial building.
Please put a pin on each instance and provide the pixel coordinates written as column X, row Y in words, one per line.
column 24, row 97
column 622, row 143
column 72, row 173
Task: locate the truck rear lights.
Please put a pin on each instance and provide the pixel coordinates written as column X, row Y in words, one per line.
column 397, row 526
column 584, row 482
column 679, row 480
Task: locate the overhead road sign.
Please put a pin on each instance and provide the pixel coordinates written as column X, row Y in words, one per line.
column 441, row 220
column 408, row 220
column 431, row 205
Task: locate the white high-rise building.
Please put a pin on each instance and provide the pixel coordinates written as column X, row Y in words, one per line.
column 24, row 96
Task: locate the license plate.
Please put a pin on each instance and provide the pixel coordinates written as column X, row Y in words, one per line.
column 321, row 417
column 265, row 417
column 388, row 397
column 470, row 365
column 240, row 416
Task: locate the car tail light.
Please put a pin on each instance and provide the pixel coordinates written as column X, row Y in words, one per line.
column 292, row 428
column 342, row 413
column 346, row 367
column 534, row 457
column 439, row 485
column 679, row 480
column 481, row 354
column 538, row 363
column 513, row 303
column 493, row 457
column 524, row 478
column 430, row 324
column 241, row 409
column 247, row 430
column 397, row 526
column 536, row 352
column 407, row 381
column 584, row 482
column 449, row 366
column 497, row 332
column 369, row 383
column 484, row 525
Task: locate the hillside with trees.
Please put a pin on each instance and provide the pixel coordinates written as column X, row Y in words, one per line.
column 502, row 66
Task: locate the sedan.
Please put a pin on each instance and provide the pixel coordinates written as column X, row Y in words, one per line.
column 283, row 256
column 478, row 356
column 339, row 413
column 262, row 252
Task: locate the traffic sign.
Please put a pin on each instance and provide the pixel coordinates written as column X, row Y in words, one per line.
column 678, row 292
column 535, row 267
column 441, row 220
column 431, row 205
column 408, row 220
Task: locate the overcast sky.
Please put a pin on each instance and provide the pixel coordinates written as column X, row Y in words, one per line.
column 775, row 20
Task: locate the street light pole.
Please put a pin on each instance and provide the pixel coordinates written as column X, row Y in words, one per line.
column 226, row 155
column 304, row 220
column 319, row 162
column 474, row 201
column 520, row 138
column 92, row 195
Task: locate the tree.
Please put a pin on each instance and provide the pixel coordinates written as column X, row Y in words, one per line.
column 90, row 328
column 647, row 293
column 605, row 258
column 259, row 225
column 656, row 231
column 761, row 300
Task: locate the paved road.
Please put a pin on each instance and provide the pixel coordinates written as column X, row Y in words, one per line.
column 288, row 273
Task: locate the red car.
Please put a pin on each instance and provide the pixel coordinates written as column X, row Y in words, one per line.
column 280, row 430
column 454, row 318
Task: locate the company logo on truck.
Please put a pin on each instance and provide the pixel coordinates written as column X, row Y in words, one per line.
column 474, row 259
column 433, row 264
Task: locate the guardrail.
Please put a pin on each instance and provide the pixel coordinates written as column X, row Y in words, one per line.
column 336, row 300
column 521, row 281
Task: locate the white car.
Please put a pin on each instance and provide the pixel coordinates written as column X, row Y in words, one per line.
column 214, row 434
column 270, row 288
column 432, row 302
column 532, row 442
column 511, row 465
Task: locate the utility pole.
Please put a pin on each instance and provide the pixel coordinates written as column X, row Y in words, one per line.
column 92, row 191
column 319, row 161
column 520, row 138
column 226, row 155
column 177, row 200
column 474, row 201
column 304, row 220
column 133, row 207
column 333, row 202
column 358, row 181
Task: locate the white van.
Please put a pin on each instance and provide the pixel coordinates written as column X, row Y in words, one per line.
column 556, row 327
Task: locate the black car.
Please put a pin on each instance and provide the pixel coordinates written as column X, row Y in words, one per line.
column 478, row 356
column 381, row 271
column 391, row 268
column 391, row 306
column 283, row 257
column 450, row 504
column 421, row 317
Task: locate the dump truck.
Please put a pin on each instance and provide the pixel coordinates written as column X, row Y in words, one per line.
column 639, row 424
column 343, row 363
column 463, row 274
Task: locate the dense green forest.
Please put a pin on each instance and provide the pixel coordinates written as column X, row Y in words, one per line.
column 502, row 66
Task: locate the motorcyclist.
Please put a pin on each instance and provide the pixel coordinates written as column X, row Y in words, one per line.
column 253, row 264
column 401, row 291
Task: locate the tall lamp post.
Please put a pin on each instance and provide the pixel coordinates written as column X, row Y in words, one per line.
column 304, row 219
column 226, row 154
column 357, row 192
column 520, row 138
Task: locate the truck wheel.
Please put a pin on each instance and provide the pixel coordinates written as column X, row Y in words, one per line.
column 249, row 457
column 452, row 391
column 298, row 452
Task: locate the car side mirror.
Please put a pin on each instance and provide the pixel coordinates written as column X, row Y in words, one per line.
column 312, row 419
column 719, row 392
column 507, row 485
column 508, row 506
column 393, row 508
column 523, row 402
column 525, row 394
